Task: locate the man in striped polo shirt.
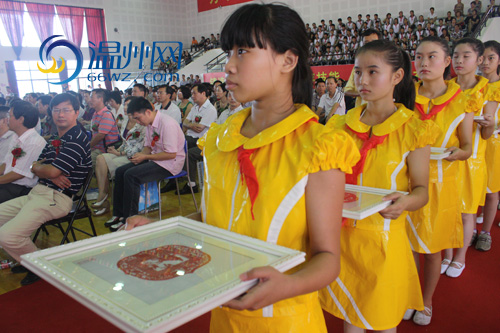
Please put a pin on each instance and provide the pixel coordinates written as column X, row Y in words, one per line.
column 104, row 129
column 62, row 167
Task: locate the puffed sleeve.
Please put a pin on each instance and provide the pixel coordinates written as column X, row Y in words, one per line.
column 333, row 149
column 492, row 93
column 474, row 102
column 425, row 133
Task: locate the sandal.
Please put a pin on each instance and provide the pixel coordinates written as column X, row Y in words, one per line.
column 444, row 265
column 98, row 204
column 455, row 270
column 423, row 317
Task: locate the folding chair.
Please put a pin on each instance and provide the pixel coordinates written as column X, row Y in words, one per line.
column 176, row 177
column 80, row 210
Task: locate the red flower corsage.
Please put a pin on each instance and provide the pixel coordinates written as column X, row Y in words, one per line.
column 95, row 128
column 17, row 153
column 56, row 143
column 120, row 117
column 197, row 119
column 156, row 138
column 134, row 135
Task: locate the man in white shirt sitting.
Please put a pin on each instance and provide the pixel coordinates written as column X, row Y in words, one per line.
column 165, row 105
column 6, row 136
column 332, row 102
column 16, row 178
column 202, row 115
column 115, row 101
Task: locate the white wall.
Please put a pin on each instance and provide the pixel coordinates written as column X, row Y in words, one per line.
column 179, row 20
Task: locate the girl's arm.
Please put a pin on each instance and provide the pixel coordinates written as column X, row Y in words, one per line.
column 465, row 138
column 488, row 124
column 418, row 169
column 324, row 200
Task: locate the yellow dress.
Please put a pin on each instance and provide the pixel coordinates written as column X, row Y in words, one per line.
column 438, row 225
column 493, row 143
column 475, row 175
column 378, row 279
column 285, row 155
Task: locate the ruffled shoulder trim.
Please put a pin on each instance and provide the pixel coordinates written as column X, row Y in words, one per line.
column 493, row 92
column 333, row 149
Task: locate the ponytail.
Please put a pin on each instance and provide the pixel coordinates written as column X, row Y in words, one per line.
column 404, row 92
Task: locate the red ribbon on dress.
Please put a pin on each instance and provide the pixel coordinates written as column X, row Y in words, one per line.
column 368, row 143
column 248, row 174
column 435, row 108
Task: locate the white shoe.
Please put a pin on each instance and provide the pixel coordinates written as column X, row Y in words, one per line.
column 444, row 265
column 98, row 204
column 409, row 314
column 420, row 318
column 455, row 272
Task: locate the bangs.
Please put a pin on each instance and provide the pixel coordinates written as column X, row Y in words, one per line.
column 249, row 26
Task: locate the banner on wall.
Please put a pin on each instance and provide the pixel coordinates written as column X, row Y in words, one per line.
column 204, row 5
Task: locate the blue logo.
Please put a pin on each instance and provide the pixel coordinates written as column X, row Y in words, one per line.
column 47, row 50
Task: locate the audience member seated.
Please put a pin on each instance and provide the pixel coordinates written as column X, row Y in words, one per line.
column 46, row 122
column 165, row 105
column 185, row 105
column 89, row 110
column 16, row 178
column 222, row 101
column 319, row 90
column 234, row 106
column 62, row 168
column 104, row 130
column 132, row 135
column 140, row 90
column 6, row 135
column 332, row 102
column 115, row 102
column 162, row 156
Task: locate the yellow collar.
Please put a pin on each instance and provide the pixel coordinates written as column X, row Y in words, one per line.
column 477, row 88
column 453, row 87
column 230, row 137
column 395, row 121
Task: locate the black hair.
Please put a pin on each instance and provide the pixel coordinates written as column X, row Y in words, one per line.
column 370, row 31
column 168, row 89
column 280, row 28
column 44, row 99
column 115, row 96
column 444, row 46
column 26, row 110
column 320, row 80
column 128, row 98
column 475, row 43
column 141, row 87
column 201, row 88
column 404, row 91
column 219, row 81
column 34, row 95
column 101, row 93
column 495, row 46
column 4, row 111
column 3, row 101
column 139, row 105
column 223, row 87
column 186, row 92
column 65, row 97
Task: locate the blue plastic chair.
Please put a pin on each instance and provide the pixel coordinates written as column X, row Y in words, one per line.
column 176, row 177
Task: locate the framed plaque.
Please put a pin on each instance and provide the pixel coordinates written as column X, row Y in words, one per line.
column 362, row 201
column 439, row 153
column 158, row 276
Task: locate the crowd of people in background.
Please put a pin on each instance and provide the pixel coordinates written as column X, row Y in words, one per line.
column 332, row 44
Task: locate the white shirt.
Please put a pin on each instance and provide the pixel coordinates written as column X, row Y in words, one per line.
column 326, row 102
column 32, row 145
column 173, row 111
column 116, row 113
column 5, row 141
column 226, row 114
column 204, row 115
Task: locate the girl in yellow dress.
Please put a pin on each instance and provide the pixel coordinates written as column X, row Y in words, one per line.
column 378, row 279
column 437, row 225
column 491, row 69
column 467, row 56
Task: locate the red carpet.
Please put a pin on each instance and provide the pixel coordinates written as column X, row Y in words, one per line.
column 470, row 303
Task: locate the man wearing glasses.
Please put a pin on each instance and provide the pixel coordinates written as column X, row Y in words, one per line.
column 62, row 168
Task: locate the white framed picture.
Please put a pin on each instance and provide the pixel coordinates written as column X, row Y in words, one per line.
column 363, row 201
column 438, row 153
column 158, row 276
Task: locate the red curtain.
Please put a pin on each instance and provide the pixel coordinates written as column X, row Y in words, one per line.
column 11, row 14
column 43, row 19
column 96, row 31
column 72, row 23
column 204, row 5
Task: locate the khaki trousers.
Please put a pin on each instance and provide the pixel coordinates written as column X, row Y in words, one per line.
column 21, row 216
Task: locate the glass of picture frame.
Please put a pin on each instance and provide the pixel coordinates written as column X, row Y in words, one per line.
column 363, row 201
column 158, row 276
